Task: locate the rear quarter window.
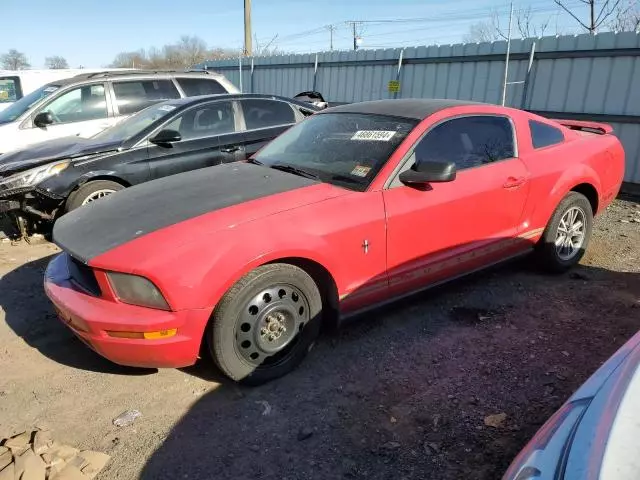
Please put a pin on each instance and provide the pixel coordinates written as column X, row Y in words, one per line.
column 133, row 96
column 193, row 87
column 543, row 135
column 261, row 113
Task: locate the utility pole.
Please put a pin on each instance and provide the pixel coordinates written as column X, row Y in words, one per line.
column 592, row 30
column 355, row 37
column 247, row 28
column 331, row 30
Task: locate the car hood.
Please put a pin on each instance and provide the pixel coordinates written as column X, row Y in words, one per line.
column 102, row 226
column 46, row 152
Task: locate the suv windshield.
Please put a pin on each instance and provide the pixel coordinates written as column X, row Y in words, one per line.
column 346, row 149
column 14, row 111
column 135, row 124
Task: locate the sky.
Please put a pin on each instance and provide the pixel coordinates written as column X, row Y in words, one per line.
column 91, row 33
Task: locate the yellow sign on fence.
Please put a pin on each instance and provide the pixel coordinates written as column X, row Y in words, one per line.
column 394, row 86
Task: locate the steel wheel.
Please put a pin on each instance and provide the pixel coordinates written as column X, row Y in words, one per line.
column 268, row 326
column 97, row 195
column 570, row 234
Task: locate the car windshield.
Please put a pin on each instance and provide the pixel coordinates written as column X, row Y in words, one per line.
column 346, row 149
column 136, row 123
column 15, row 110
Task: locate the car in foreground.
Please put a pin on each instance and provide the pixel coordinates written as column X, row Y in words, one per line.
column 39, row 183
column 595, row 433
column 89, row 103
column 355, row 206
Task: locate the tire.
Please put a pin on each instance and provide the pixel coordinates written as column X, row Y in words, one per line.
column 556, row 259
column 242, row 333
column 83, row 194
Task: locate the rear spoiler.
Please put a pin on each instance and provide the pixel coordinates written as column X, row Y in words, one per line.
column 584, row 126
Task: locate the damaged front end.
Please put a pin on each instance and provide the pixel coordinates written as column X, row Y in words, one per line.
column 31, row 209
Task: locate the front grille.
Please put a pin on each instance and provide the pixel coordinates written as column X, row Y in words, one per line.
column 83, row 277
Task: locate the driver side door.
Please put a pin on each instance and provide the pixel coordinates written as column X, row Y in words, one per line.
column 446, row 229
column 201, row 129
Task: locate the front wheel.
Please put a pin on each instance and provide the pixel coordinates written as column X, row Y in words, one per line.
column 567, row 234
column 90, row 192
column 265, row 324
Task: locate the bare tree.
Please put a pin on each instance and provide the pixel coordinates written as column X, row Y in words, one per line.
column 482, row 32
column 56, row 62
column 193, row 50
column 261, row 49
column 527, row 27
column 137, row 59
column 626, row 18
column 14, row 60
column 599, row 11
column 490, row 31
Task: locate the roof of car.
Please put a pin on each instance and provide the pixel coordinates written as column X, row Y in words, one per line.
column 415, row 108
column 230, row 96
column 111, row 74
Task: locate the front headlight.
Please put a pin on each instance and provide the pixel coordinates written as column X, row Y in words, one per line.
column 137, row 290
column 32, row 177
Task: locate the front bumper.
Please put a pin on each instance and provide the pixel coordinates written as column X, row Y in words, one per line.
column 90, row 318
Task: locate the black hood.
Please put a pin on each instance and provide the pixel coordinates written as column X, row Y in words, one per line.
column 108, row 223
column 47, row 152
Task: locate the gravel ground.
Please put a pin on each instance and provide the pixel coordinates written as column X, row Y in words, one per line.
column 401, row 393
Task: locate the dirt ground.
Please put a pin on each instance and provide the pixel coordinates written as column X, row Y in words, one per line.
column 400, row 393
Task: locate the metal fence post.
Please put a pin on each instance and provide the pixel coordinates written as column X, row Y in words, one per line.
column 251, row 77
column 315, row 73
column 525, row 88
column 395, row 94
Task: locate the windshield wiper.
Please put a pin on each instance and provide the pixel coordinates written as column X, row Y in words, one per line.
column 295, row 170
column 344, row 178
column 254, row 161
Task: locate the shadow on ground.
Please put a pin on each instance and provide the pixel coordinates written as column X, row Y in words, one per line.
column 31, row 316
column 402, row 392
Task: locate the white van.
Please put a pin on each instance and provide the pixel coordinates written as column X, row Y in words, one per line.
column 15, row 84
column 89, row 103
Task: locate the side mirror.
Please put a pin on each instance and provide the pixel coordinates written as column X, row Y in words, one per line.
column 166, row 137
column 423, row 173
column 43, row 119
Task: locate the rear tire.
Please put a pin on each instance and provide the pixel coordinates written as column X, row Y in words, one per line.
column 91, row 191
column 567, row 234
column 265, row 324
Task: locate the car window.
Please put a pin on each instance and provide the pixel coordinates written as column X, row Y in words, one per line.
column 133, row 96
column 543, row 135
column 12, row 112
column 204, row 121
column 200, row 86
column 10, row 90
column 78, row 105
column 261, row 113
column 468, row 141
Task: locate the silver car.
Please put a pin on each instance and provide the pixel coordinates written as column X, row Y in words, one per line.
column 596, row 433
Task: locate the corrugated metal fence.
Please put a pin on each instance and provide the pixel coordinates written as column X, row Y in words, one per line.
column 583, row 77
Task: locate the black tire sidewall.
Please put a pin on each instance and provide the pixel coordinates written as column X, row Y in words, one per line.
column 547, row 252
column 221, row 335
column 78, row 196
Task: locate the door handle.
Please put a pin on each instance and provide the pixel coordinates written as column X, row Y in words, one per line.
column 513, row 182
column 233, row 149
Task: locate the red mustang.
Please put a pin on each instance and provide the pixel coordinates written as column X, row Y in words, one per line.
column 356, row 206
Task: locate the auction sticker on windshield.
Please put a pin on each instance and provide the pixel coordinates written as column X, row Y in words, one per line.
column 373, row 135
column 360, row 171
